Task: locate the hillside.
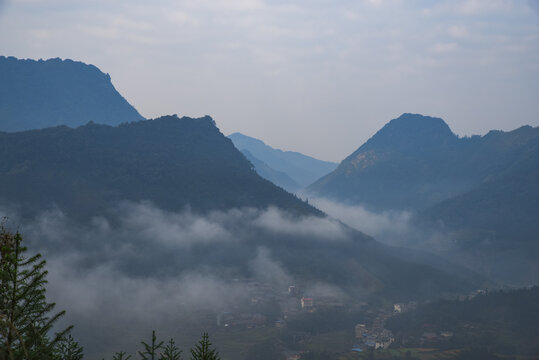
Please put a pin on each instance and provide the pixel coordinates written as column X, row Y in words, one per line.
column 279, row 178
column 416, row 161
column 502, row 322
column 403, row 166
column 478, row 195
column 512, row 187
column 493, row 227
column 169, row 161
column 44, row 93
column 186, row 164
column 301, row 168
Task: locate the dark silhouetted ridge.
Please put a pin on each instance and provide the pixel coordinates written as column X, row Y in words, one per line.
column 169, row 161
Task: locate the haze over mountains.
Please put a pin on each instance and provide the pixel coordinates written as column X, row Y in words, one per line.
column 175, row 164
column 135, row 209
column 39, row 94
column 277, row 177
column 302, row 169
column 482, row 192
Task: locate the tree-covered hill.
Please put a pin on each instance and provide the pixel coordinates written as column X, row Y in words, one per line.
column 416, row 161
column 44, row 93
column 478, row 195
column 506, row 323
column 172, row 162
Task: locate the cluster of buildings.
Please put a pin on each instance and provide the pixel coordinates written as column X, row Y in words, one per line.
column 375, row 336
column 288, row 302
column 310, row 303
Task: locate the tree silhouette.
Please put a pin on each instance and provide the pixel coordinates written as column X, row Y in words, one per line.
column 150, row 350
column 171, row 351
column 120, row 355
column 68, row 349
column 202, row 350
column 26, row 318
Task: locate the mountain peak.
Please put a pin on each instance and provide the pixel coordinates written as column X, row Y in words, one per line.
column 36, row 94
column 417, row 124
column 411, row 131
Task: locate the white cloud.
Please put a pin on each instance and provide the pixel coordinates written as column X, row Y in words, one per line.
column 445, row 47
column 392, row 227
column 458, row 31
column 475, row 7
column 314, row 60
column 314, row 227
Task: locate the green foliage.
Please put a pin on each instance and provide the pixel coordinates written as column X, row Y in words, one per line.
column 503, row 322
column 266, row 350
column 171, row 351
column 151, row 350
column 326, row 320
column 172, row 162
column 68, row 349
column 317, row 355
column 121, row 355
column 26, row 315
column 202, row 350
column 479, row 354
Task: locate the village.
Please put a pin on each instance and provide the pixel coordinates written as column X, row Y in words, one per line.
column 269, row 307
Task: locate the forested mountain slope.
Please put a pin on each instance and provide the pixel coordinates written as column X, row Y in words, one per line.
column 171, row 162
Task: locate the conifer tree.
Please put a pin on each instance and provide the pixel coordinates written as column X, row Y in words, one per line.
column 171, row 351
column 25, row 315
column 68, row 349
column 202, row 350
column 150, row 350
column 121, row 355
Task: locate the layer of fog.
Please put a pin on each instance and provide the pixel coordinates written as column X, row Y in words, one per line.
column 391, row 227
column 132, row 270
column 446, row 250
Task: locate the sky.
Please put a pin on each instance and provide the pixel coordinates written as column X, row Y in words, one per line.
column 315, row 76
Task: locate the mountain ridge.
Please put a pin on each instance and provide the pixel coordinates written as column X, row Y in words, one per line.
column 173, row 162
column 37, row 94
column 478, row 195
column 303, row 169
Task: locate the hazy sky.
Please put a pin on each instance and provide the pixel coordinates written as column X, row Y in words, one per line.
column 316, row 76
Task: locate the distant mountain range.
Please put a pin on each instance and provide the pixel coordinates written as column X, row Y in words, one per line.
column 44, row 93
column 272, row 163
column 408, row 164
column 177, row 164
column 279, row 178
column 173, row 162
column 185, row 163
column 481, row 191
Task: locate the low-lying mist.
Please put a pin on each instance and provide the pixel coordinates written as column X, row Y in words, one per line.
column 473, row 250
column 139, row 268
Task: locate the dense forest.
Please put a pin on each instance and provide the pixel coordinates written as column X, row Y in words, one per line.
column 173, row 162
